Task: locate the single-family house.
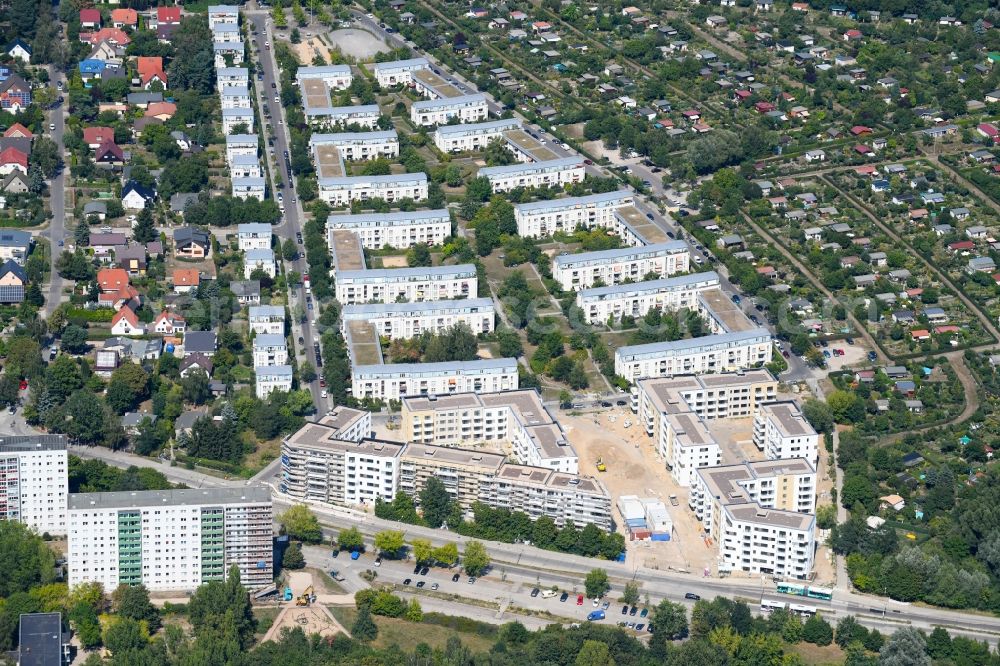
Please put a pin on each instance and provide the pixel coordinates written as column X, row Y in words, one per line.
column 191, row 242
column 185, row 280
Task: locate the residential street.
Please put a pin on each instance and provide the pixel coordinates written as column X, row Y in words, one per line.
column 57, row 200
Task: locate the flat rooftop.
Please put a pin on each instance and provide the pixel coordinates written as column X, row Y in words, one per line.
column 526, row 403
column 28, row 443
column 41, row 639
column 707, row 343
column 690, row 429
column 754, row 513
column 149, row 498
column 448, row 455
column 790, row 420
column 364, row 345
column 436, row 83
column 648, row 230
column 317, row 436
column 675, row 283
column 329, row 163
column 529, row 145
column 345, row 247
column 315, row 94
column 551, row 441
column 725, row 311
column 667, row 393
column 340, row 417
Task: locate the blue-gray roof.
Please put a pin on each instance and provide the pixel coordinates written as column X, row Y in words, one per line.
column 352, row 137
column 388, row 179
column 603, row 256
column 707, row 343
column 571, row 202
column 14, row 238
column 709, row 279
column 412, row 63
column 388, row 219
column 239, row 113
column 321, row 71
column 479, row 128
column 482, row 366
column 367, row 310
column 267, row 311
column 461, row 100
column 259, row 254
column 241, row 138
column 249, row 182
column 533, row 167
column 347, row 111
column 269, row 340
column 254, row 228
column 274, row 370
column 409, row 274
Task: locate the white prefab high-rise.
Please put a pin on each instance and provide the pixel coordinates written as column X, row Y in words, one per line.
column 33, row 481
column 781, row 431
column 171, row 539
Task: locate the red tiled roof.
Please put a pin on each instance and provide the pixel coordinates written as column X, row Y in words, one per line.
column 90, row 16
column 126, row 16
column 97, row 135
column 17, row 129
column 168, row 14
column 14, row 156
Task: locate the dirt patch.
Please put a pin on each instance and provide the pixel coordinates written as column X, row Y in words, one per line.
column 311, row 619
column 394, row 262
column 309, row 49
column 358, row 44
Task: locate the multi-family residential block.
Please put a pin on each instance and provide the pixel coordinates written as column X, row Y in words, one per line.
column 342, row 190
column 466, row 108
column 388, row 285
column 395, row 381
column 269, row 349
column 267, row 319
column 272, row 378
column 550, row 173
column 465, row 137
column 34, row 476
column 171, row 540
column 544, row 218
column 599, row 304
column 401, row 229
column 400, row 321
column 629, row 264
column 781, row 431
column 254, row 235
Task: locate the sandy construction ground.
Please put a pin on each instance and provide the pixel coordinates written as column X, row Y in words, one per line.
column 359, row 44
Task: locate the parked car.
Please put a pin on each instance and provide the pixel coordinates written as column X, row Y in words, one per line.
column 579, row 600
column 455, row 578
column 407, row 581
column 692, row 596
column 563, row 597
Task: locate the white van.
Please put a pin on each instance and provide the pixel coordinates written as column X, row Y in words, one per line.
column 548, row 594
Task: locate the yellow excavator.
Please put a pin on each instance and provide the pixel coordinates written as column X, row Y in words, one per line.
column 601, row 467
column 306, row 598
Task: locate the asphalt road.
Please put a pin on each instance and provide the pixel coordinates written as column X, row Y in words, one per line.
column 293, row 216
column 57, row 201
column 519, row 564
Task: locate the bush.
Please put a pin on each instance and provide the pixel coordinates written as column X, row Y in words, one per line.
column 464, row 624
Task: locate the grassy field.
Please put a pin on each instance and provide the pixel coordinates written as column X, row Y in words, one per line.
column 816, row 655
column 265, row 618
column 407, row 634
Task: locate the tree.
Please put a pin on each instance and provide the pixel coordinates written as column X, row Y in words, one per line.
column 74, row 339
column 818, row 414
column 301, row 524
column 669, row 621
column 133, row 602
column 145, row 228
column 223, row 607
column 350, row 539
column 87, row 627
column 9, row 389
column 631, row 594
column 419, row 255
column 364, row 628
column 127, row 387
column 293, row 557
column 594, row 653
column 435, row 502
column 906, row 647
column 389, row 542
column 195, row 387
column 83, row 418
column 423, row 551
column 124, row 635
column 28, row 561
column 446, row 554
column 476, row 558
column 289, row 251
column 818, row 631
column 596, row 583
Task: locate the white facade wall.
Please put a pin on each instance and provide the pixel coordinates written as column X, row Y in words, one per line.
column 402, row 321
column 269, row 349
column 232, row 77
column 245, row 167
column 399, row 229
column 273, row 378
column 263, row 259
column 782, row 432
column 462, row 138
column 221, row 14
column 710, row 354
column 550, row 173
column 444, row 283
column 336, row 77
column 360, row 145
column 34, row 482
column 389, row 74
column 233, row 117
column 254, row 236
column 364, row 116
column 245, row 188
column 635, row 300
column 467, row 108
column 240, row 144
column 392, row 382
column 342, row 191
column 757, row 547
column 544, row 218
column 267, row 319
column 576, row 271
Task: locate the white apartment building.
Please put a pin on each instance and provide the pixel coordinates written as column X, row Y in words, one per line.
column 543, row 492
column 402, row 321
column 599, row 304
column 387, row 285
column 245, row 166
column 401, row 229
column 584, row 270
column 241, row 144
column 395, row 381
column 318, row 465
column 781, row 431
column 219, row 14
column 254, row 236
column 272, row 378
column 226, row 33
column 517, row 418
column 328, row 117
column 234, row 97
column 246, row 188
column 359, row 145
column 462, row 138
column 761, row 515
column 393, row 73
column 34, row 481
column 724, row 352
column 336, row 77
column 171, row 540
column 232, row 77
column 233, row 118
column 543, row 218
column 269, row 349
column 467, row 108
column 550, row 173
column 351, row 425
column 267, row 319
column 673, row 412
column 227, row 54
column 260, row 258
column 391, row 188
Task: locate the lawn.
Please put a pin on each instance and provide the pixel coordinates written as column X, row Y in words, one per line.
column 817, row 655
column 265, row 618
column 407, row 634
